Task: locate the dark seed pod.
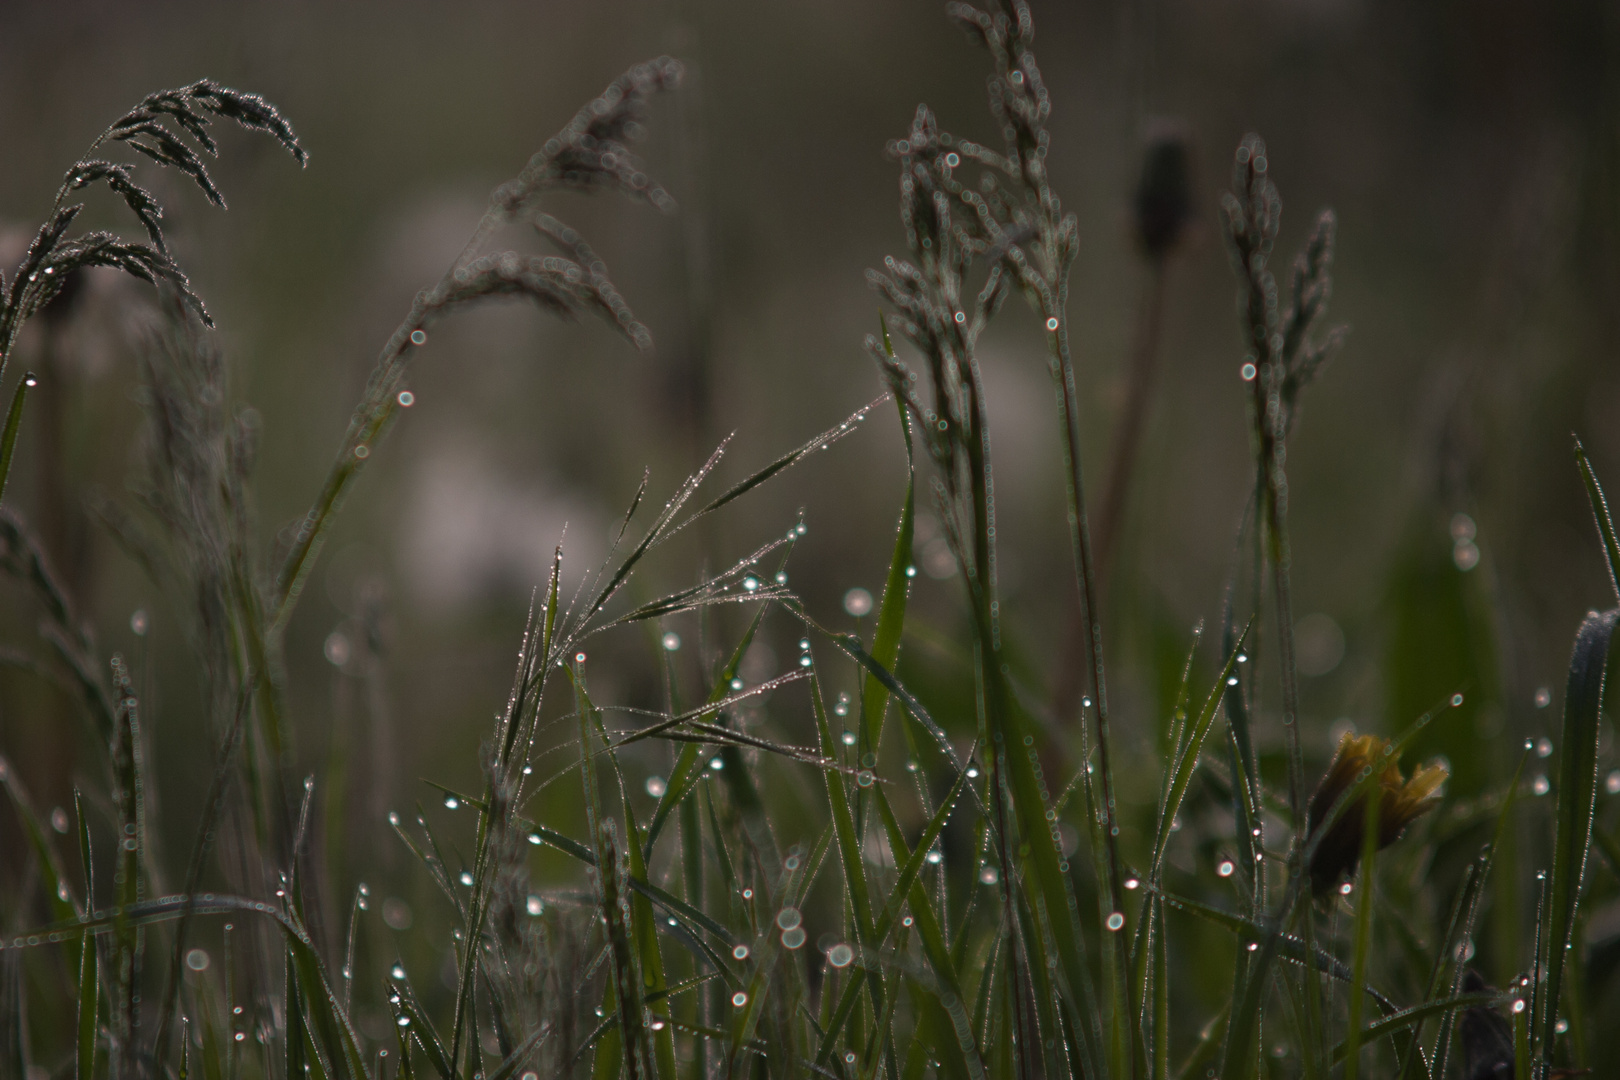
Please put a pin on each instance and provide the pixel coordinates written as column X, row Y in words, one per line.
column 1164, row 192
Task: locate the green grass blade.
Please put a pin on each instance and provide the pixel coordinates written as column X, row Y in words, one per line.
column 1577, row 800
column 1364, row 913
column 8, row 438
column 891, row 618
column 1468, row 909
column 1410, row 1018
column 1600, row 515
column 627, row 984
column 89, row 1004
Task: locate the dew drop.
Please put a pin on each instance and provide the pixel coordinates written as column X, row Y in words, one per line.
column 864, row 778
column 466, row 878
column 197, row 960
column 451, row 802
column 840, row 955
column 988, row 875
column 656, row 786
column 1231, row 680
column 717, row 763
column 362, row 451
column 1248, row 372
column 736, row 684
column 739, row 999
column 534, row 838
column 751, row 583
column 1518, row 1005
column 1052, row 324
column 1456, row 700
column 1561, row 1027
column 1346, row 889
column 740, row 952
column 398, row 971
column 1540, row 785
column 1132, row 883
column 973, row 772
column 1544, row 747
column 794, row 938
column 138, row 623
column 406, row 399
column 1253, row 945
column 403, row 1021
column 30, row 380
column 418, row 337
column 1611, row 783
column 579, row 658
column 1225, row 868
column 748, row 894
column 1115, row 921
column 858, row 602
column 536, row 906
column 1543, row 697
column 934, row 858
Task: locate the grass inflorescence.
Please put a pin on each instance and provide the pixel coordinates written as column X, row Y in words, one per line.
column 861, row 892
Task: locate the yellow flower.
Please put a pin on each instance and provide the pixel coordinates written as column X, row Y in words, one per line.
column 1402, row 800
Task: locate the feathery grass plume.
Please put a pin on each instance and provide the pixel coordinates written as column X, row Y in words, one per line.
column 1404, row 799
column 149, row 130
column 1012, row 223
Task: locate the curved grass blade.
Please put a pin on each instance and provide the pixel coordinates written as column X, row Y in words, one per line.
column 891, row 618
column 1412, row 1017
column 8, row 438
column 1595, row 645
column 1600, row 515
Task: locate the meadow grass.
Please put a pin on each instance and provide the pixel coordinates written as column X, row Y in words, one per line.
column 896, row 896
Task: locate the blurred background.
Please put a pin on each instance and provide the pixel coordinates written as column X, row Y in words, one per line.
column 1442, row 539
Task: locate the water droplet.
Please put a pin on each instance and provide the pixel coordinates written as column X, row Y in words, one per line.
column 1518, row 1005
column 717, row 763
column 1243, row 658
column 656, row 786
column 451, row 802
column 748, row 894
column 240, row 1036
column 1562, row 1026
column 30, row 380
column 792, row 939
column 736, row 684
column 403, row 1021
column 911, row 571
column 362, row 451
column 197, row 960
column 1465, row 555
column 973, row 772
column 393, row 817
column 858, row 602
column 534, row 838
column 398, row 971
column 138, row 624
column 1131, row 883
column 1456, row 700
column 1544, row 747
column 1115, row 921
column 961, row 317
column 1540, row 785
column 750, row 582
column 1346, row 889
column 799, row 528
column 1611, row 783
column 740, row 952
column 406, row 399
column 466, row 879
column 418, row 337
column 988, row 875
column 59, row 820
column 864, row 778
column 739, row 999
column 337, row 648
column 781, row 577
column 805, row 660
column 579, row 658
column 791, row 862
column 536, row 906
column 657, row 1025
column 840, row 955
column 934, row 858
column 1248, row 372
column 1225, row 868
column 1085, row 702
column 1253, row 945
column 1543, row 697
column 1231, row 680
column 912, row 766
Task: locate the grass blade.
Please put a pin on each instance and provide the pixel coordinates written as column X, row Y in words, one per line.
column 1600, row 516
column 1577, row 800
column 891, row 618
column 8, row 438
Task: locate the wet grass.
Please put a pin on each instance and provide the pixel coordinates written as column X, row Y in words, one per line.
column 890, row 895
